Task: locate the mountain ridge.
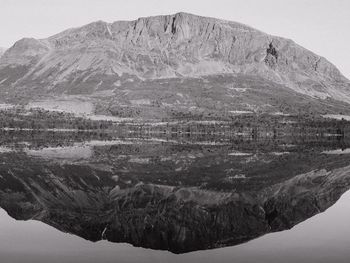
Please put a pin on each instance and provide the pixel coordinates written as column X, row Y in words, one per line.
column 103, row 56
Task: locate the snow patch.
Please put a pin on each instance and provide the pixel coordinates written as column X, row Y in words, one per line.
column 69, row 106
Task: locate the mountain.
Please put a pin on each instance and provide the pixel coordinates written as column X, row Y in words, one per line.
column 168, row 66
column 2, row 51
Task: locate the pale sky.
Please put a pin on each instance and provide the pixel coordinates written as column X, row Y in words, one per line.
column 322, row 26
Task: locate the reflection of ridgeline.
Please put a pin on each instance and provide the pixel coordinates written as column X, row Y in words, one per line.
column 87, row 201
column 186, row 220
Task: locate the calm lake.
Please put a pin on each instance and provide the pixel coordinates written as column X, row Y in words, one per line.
column 87, row 197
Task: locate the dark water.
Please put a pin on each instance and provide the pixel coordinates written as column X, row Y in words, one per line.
column 88, row 198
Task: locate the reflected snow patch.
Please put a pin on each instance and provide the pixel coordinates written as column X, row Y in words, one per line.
column 4, row 149
column 280, row 153
column 140, row 160
column 337, row 117
column 239, row 154
column 70, row 153
column 5, row 106
column 338, row 151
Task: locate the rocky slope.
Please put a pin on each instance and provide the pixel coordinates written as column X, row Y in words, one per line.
column 128, row 64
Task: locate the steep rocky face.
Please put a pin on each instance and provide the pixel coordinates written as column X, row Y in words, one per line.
column 105, row 56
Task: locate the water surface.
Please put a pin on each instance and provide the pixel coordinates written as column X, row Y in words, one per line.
column 93, row 198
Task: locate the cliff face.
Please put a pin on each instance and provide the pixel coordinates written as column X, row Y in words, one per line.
column 105, row 56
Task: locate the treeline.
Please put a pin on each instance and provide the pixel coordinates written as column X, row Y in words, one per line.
column 42, row 138
column 254, row 125
column 35, row 119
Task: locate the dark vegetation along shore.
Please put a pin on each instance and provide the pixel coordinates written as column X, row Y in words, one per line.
column 248, row 124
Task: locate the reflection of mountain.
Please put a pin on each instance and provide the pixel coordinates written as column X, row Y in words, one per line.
column 114, row 195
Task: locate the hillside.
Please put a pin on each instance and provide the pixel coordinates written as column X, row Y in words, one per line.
column 171, row 66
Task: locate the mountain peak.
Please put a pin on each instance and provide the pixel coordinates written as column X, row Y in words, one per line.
column 25, row 51
column 178, row 46
column 181, row 20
